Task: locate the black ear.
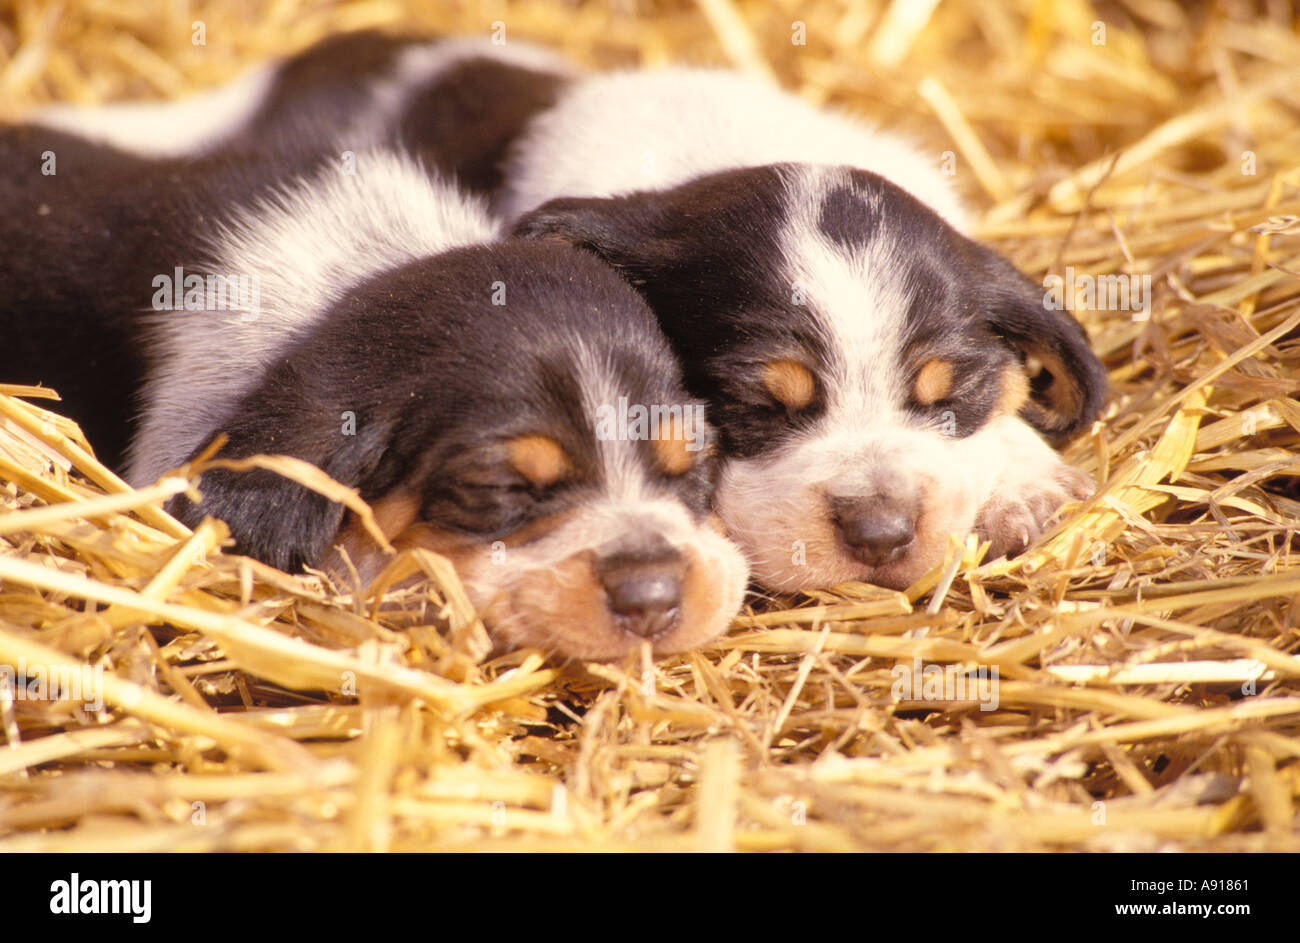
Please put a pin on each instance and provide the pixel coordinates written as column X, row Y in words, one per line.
column 621, row 230
column 1068, row 393
column 271, row 517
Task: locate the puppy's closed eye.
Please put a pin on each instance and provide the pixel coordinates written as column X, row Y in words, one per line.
column 482, row 499
column 492, row 481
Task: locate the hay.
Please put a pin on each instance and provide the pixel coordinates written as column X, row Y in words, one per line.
column 1149, row 693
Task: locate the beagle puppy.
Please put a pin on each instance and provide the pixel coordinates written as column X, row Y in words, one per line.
column 375, row 325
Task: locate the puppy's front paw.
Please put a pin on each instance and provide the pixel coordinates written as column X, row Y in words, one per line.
column 1025, row 501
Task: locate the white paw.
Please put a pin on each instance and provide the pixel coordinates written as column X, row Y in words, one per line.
column 1025, row 501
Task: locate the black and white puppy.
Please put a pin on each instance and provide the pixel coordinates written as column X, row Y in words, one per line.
column 879, row 379
column 349, row 320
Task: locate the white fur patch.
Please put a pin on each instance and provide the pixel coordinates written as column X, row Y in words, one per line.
column 189, row 125
column 615, row 133
column 622, row 470
column 306, row 245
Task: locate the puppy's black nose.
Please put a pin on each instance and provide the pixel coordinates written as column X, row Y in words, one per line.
column 876, row 530
column 644, row 595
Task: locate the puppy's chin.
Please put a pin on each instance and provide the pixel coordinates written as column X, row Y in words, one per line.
column 784, row 525
column 540, row 587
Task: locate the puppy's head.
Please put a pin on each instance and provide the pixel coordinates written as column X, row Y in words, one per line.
column 852, row 346
column 515, row 408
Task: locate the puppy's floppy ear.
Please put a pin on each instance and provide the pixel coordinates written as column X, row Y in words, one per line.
column 1070, row 390
column 272, row 518
column 621, row 230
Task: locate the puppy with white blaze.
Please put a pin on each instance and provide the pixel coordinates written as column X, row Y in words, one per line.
column 373, row 324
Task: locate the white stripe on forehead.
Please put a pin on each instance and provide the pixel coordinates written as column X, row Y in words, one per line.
column 631, row 501
column 855, row 296
column 622, row 472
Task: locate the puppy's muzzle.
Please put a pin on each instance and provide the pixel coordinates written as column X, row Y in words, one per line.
column 643, row 589
column 877, row 530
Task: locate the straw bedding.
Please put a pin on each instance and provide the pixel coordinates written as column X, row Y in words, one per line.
column 1149, row 689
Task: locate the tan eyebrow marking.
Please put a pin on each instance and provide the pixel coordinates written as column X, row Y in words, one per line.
column 670, row 451
column 789, row 382
column 934, row 382
column 539, row 458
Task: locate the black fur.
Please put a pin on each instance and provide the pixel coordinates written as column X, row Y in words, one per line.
column 465, row 122
column 328, row 82
column 462, row 122
column 79, row 249
column 708, row 273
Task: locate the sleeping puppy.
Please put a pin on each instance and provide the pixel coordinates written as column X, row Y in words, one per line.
column 879, row 380
column 368, row 324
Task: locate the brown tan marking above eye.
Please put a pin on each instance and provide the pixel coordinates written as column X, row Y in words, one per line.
column 539, row 458
column 670, row 450
column 933, row 382
column 790, row 383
